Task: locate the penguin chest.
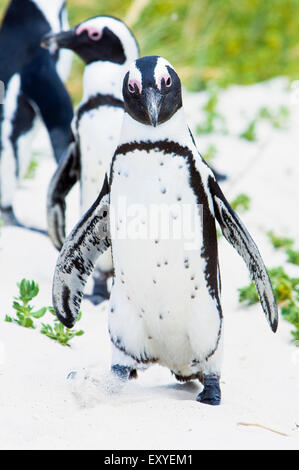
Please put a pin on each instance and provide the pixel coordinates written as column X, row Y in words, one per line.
column 156, row 243
column 99, row 131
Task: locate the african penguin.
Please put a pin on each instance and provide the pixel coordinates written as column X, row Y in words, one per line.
column 33, row 88
column 165, row 300
column 107, row 47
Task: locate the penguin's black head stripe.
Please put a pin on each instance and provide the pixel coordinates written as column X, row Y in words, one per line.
column 97, row 39
column 152, row 91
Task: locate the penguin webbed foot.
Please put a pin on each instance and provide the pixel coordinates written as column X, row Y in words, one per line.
column 211, row 394
column 123, row 373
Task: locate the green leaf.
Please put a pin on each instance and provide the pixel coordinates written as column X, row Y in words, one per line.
column 80, row 333
column 40, row 313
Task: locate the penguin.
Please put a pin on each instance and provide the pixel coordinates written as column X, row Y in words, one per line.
column 165, row 304
column 32, row 79
column 107, row 47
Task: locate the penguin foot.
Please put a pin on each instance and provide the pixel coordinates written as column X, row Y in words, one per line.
column 121, row 372
column 100, row 292
column 95, row 299
column 211, row 394
column 133, row 374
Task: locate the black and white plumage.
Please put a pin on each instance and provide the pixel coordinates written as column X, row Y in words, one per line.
column 165, row 301
column 33, row 88
column 107, row 47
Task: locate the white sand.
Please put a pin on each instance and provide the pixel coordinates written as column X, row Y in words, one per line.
column 260, row 381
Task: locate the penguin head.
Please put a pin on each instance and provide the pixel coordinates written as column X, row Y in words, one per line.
column 152, row 91
column 102, row 38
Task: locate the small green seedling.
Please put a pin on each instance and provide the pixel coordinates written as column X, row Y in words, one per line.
column 241, row 203
column 59, row 332
column 24, row 311
column 31, row 170
column 250, row 132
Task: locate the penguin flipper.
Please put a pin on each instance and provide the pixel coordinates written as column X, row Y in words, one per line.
column 88, row 240
column 237, row 235
column 64, row 178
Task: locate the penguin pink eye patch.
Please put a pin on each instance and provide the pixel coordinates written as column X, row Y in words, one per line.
column 131, row 86
column 167, row 79
column 93, row 33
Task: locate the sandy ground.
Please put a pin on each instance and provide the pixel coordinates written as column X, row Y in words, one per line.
column 260, row 381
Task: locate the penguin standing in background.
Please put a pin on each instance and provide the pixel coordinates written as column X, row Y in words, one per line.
column 107, row 47
column 32, row 79
column 165, row 300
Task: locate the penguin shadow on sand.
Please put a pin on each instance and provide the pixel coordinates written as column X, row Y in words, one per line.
column 34, row 90
column 165, row 302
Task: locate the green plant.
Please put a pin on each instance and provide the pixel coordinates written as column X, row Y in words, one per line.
column 277, row 118
column 291, row 314
column 31, row 170
column 286, row 291
column 25, row 315
column 241, row 203
column 293, row 256
column 24, row 311
column 250, row 132
column 210, row 154
column 280, row 242
column 248, row 294
column 213, row 121
column 59, row 332
column 287, row 245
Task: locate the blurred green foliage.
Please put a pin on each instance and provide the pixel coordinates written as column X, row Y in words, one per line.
column 226, row 42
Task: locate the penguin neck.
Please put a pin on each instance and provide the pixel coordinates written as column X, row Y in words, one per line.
column 174, row 130
column 103, row 78
column 51, row 11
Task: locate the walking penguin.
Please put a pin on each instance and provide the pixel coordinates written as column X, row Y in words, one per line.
column 107, row 47
column 165, row 300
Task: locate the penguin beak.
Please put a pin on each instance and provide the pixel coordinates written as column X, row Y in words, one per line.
column 153, row 101
column 64, row 40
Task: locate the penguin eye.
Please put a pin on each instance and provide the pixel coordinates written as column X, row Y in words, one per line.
column 168, row 82
column 131, row 88
column 95, row 35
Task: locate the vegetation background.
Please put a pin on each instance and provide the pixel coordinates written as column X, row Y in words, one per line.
column 227, row 42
